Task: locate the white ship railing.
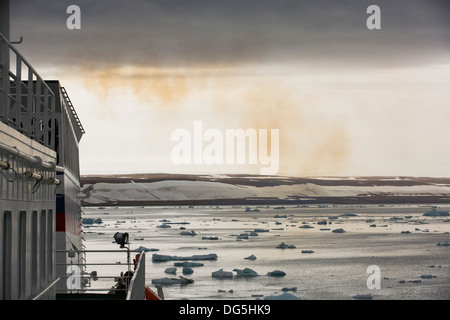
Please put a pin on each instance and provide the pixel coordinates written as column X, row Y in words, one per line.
column 48, row 293
column 72, row 109
column 136, row 290
column 136, row 287
column 27, row 103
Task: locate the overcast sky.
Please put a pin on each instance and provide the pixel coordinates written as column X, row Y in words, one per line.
column 346, row 100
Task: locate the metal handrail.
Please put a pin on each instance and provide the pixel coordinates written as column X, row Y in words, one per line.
column 101, row 251
column 72, row 109
column 87, row 276
column 34, row 118
column 47, row 292
column 2, row 38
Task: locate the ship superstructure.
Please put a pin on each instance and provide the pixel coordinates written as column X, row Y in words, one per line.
column 40, row 193
column 41, row 234
column 68, row 195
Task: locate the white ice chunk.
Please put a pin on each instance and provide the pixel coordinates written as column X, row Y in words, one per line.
column 161, row 257
column 188, row 233
column 246, row 272
column 169, row 281
column 276, row 273
column 363, row 296
column 222, row 274
column 285, row 246
column 170, row 270
column 283, row 296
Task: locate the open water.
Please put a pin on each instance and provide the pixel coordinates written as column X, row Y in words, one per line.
column 399, row 240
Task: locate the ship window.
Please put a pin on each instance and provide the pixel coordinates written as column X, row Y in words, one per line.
column 6, row 256
column 22, row 252
column 50, row 234
column 42, row 249
column 34, row 250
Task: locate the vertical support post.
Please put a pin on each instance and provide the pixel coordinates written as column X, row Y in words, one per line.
column 52, row 123
column 31, row 107
column 4, row 18
column 4, row 61
column 39, row 107
column 4, row 78
column 44, row 125
column 24, row 124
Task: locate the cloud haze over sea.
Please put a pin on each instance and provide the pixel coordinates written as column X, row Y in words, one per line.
column 346, row 100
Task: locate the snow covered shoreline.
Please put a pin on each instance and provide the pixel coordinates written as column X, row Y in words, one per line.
column 134, row 192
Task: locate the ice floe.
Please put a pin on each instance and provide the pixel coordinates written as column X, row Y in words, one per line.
column 170, row 270
column 170, row 281
column 222, row 274
column 427, row 276
column 285, row 246
column 363, row 296
column 188, row 264
column 141, row 248
column 435, row 213
column 188, row 233
column 348, row 215
column 248, row 209
column 283, row 296
column 164, row 226
column 91, row 221
column 210, row 238
column 276, row 273
column 161, row 257
column 187, row 270
column 246, row 272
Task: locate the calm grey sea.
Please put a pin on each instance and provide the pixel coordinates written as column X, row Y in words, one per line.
column 319, row 263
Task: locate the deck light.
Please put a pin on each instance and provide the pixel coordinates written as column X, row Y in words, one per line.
column 4, row 165
column 52, row 180
column 32, row 175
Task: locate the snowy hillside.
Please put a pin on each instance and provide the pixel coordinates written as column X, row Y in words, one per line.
column 189, row 189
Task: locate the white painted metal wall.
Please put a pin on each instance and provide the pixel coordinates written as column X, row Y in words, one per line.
column 27, row 177
column 27, row 218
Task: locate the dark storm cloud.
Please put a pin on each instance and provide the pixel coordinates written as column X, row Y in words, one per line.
column 205, row 32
